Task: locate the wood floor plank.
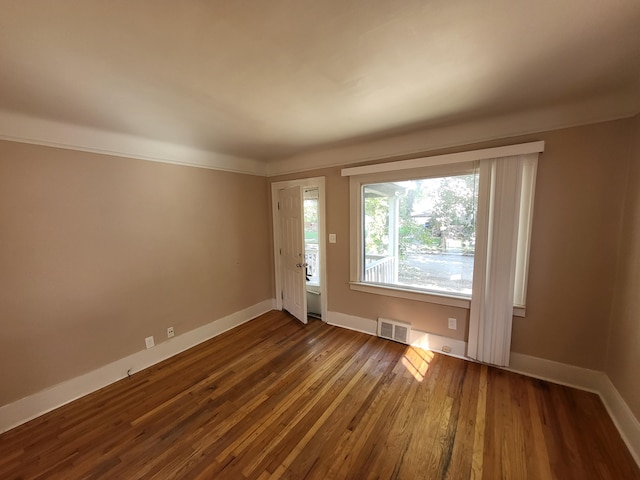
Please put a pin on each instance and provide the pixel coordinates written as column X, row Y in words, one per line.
column 277, row 399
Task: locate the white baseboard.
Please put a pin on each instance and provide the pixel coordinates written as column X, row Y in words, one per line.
column 438, row 343
column 556, row 372
column 427, row 341
column 30, row 407
column 351, row 322
column 585, row 379
column 628, row 425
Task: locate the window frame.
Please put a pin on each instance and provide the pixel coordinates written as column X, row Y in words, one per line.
column 429, row 167
column 356, row 186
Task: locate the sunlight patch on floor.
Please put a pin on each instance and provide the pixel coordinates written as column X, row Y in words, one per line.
column 416, row 361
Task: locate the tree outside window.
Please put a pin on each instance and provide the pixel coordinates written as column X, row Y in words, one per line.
column 421, row 233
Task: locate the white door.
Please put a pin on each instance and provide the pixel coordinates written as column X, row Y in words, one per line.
column 292, row 264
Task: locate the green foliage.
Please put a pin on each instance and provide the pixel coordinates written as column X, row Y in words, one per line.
column 310, row 237
column 454, row 209
column 452, row 215
column 311, row 210
column 410, row 232
column 311, row 220
column 376, row 221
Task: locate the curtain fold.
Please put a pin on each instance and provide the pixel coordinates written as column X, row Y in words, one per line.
column 497, row 227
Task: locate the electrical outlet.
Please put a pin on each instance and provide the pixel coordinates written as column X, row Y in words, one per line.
column 453, row 324
column 149, row 341
column 170, row 332
column 446, row 349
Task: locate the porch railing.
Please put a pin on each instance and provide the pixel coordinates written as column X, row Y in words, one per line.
column 379, row 269
column 311, row 258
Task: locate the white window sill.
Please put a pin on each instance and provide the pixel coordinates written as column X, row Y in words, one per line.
column 398, row 292
column 420, row 296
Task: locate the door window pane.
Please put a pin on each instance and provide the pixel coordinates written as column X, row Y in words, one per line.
column 312, row 247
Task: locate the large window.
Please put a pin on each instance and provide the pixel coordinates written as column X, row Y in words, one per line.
column 420, row 233
column 440, row 229
column 432, row 229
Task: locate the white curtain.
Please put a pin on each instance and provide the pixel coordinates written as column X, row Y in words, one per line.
column 496, row 255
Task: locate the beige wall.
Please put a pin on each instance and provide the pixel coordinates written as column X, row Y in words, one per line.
column 578, row 208
column 623, row 359
column 99, row 252
column 578, row 211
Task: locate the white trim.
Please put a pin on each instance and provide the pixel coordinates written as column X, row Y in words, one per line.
column 427, row 341
column 351, row 322
column 355, row 231
column 585, row 379
column 420, row 296
column 439, row 299
column 556, row 372
column 436, row 343
column 27, row 408
column 24, row 129
column 447, row 159
column 628, row 425
column 315, row 182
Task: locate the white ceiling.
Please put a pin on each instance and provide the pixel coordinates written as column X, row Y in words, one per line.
column 271, row 79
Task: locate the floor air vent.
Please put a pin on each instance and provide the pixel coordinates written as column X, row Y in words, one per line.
column 393, row 330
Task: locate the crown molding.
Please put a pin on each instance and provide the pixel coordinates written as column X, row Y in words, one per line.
column 595, row 110
column 25, row 129
column 22, row 128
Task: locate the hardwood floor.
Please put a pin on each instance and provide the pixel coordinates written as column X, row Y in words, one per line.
column 276, row 399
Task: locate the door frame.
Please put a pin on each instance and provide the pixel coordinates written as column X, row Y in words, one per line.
column 315, row 182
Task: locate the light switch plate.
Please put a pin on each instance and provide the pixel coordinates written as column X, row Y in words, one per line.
column 332, row 238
